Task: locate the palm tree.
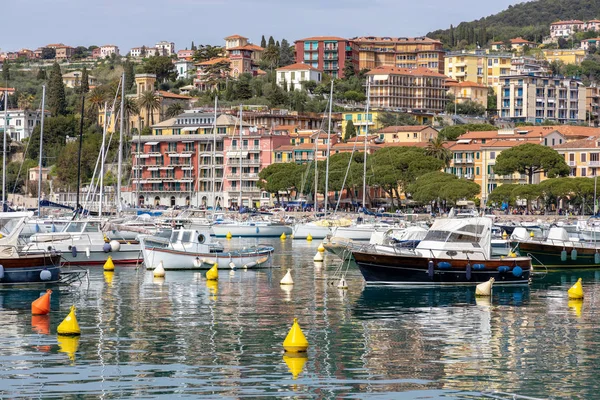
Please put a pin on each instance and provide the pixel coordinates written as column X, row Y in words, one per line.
column 130, row 108
column 95, row 99
column 437, row 149
column 174, row 110
column 150, row 102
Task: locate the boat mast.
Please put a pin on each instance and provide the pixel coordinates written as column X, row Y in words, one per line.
column 4, row 148
column 41, row 152
column 316, row 176
column 214, row 159
column 328, row 149
column 102, row 162
column 78, row 154
column 366, row 138
column 120, row 159
column 240, row 154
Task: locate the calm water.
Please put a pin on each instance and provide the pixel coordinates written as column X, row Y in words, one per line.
column 184, row 338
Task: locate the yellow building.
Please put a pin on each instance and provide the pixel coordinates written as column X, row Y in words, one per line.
column 582, row 156
column 567, row 56
column 406, row 134
column 477, row 66
column 592, row 102
column 463, row 91
column 361, row 121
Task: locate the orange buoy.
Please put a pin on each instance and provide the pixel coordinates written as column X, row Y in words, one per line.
column 41, row 306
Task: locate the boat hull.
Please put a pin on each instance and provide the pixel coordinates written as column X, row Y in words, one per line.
column 182, row 260
column 384, row 269
column 548, row 255
column 27, row 269
column 251, row 230
column 302, row 231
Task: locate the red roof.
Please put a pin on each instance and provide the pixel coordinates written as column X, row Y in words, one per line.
column 570, row 22
column 404, row 128
column 464, row 84
column 170, row 95
column 394, row 40
column 213, row 61
column 321, row 38
column 519, row 40
column 249, row 47
column 235, row 37
column 298, row 67
column 421, row 71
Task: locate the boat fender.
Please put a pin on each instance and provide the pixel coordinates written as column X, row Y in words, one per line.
column 197, row 262
column 250, row 264
column 597, row 258
column 87, row 252
column 430, row 271
column 1, row 271
column 563, row 255
column 257, row 230
column 45, row 275
column 468, row 271
column 73, row 251
column 201, row 238
column 49, row 248
column 115, row 245
column 517, row 271
column 503, row 268
column 478, row 267
column 574, row 254
column 106, row 247
column 444, row 265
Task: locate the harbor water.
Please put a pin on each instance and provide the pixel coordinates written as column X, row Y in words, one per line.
column 184, row 337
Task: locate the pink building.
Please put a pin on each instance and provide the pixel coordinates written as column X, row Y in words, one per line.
column 256, row 152
column 185, row 54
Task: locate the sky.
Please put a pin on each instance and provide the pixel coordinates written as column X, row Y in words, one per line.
column 131, row 23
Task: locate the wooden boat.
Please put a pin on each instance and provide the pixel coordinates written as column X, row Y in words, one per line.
column 456, row 251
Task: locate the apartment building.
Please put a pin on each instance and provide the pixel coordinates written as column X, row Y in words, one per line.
column 419, row 89
column 108, row 50
column 567, row 56
column 406, row 134
column 64, row 52
column 237, row 41
column 592, row 102
column 165, row 48
column 582, row 156
column 477, row 66
column 468, row 91
column 361, row 121
column 21, row 123
column 400, row 52
column 73, row 79
column 293, row 75
column 564, row 29
column 305, row 146
column 329, row 54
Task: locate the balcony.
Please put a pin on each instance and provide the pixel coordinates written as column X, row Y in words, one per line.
column 245, row 161
column 246, row 192
column 594, row 163
column 247, row 176
column 464, row 161
column 245, row 148
column 572, row 163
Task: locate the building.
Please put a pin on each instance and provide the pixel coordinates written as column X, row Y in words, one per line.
column 108, row 50
column 185, row 55
column 241, row 61
column 361, row 121
column 527, row 64
column 519, row 44
column 468, row 91
column 567, row 56
column 34, row 174
column 532, row 98
column 400, row 52
column 329, row 54
column 138, row 52
column 207, row 73
column 271, row 119
column 21, row 122
column 406, row 134
column 592, row 102
column 582, row 156
column 73, row 79
column 419, row 89
column 585, row 44
column 477, row 66
column 564, row 29
column 592, row 25
column 63, row 52
column 165, row 48
column 96, row 53
column 293, row 75
column 305, row 146
column 237, row 41
column 185, row 69
column 498, row 46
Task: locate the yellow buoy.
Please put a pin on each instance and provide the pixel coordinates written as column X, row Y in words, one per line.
column 576, row 291
column 318, row 257
column 69, row 326
column 282, row 237
column 159, row 271
column 321, row 248
column 228, row 236
column 504, row 235
column 309, row 238
column 531, row 234
column 213, row 274
column 68, row 345
column 287, row 279
column 109, row 265
column 295, row 341
column 512, row 254
column 576, row 305
column 213, row 287
column 295, row 362
column 485, row 288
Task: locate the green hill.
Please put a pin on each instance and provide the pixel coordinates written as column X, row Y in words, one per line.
column 530, row 20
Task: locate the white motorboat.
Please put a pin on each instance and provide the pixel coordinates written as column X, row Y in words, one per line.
column 250, row 229
column 359, row 231
column 188, row 249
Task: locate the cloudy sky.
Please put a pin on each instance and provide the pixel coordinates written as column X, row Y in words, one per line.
column 130, row 23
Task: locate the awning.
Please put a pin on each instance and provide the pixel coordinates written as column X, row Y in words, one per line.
column 235, row 154
column 153, row 169
column 143, row 155
column 151, row 143
column 187, row 141
column 190, row 129
column 185, row 155
column 173, row 155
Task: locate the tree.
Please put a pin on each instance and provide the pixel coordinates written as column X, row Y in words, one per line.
column 263, row 42
column 271, row 56
column 150, row 102
column 85, row 84
column 271, row 42
column 5, row 71
column 57, row 101
column 436, row 148
column 279, row 177
column 161, row 66
column 56, row 129
column 174, row 110
column 468, row 107
column 492, row 100
column 395, row 119
column 530, row 159
column 129, row 74
column 352, row 95
column 454, row 131
column 207, row 52
column 193, row 46
column 350, row 131
column 48, row 53
column 286, row 54
column 348, row 70
column 503, row 194
column 95, row 100
column 41, row 75
column 242, row 89
column 130, row 108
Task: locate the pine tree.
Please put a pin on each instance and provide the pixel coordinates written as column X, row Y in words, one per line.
column 85, row 83
column 57, row 101
column 41, row 75
column 193, row 46
column 277, row 44
column 263, row 42
column 286, row 54
column 129, row 75
column 271, row 41
column 452, row 40
column 5, row 72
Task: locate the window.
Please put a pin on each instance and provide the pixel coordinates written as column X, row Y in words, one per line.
column 583, row 157
column 415, row 135
column 492, row 155
column 256, row 143
column 583, row 171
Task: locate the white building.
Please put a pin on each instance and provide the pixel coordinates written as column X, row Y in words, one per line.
column 108, row 49
column 21, row 122
column 185, row 69
column 585, row 44
column 293, row 75
column 165, row 48
column 565, row 29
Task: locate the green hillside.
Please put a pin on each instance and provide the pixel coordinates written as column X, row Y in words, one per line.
column 530, row 20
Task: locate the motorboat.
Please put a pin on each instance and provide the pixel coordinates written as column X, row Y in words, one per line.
column 455, row 251
column 189, row 249
column 359, row 231
column 250, row 228
column 318, row 229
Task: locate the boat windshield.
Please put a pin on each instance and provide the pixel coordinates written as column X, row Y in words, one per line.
column 7, row 225
column 467, row 233
column 74, row 227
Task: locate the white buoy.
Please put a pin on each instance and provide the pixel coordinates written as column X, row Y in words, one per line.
column 115, row 245
column 485, row 288
column 318, row 257
column 232, row 265
column 318, row 264
column 159, row 271
column 287, row 279
column 231, row 272
column 87, row 252
column 342, row 284
column 197, row 262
